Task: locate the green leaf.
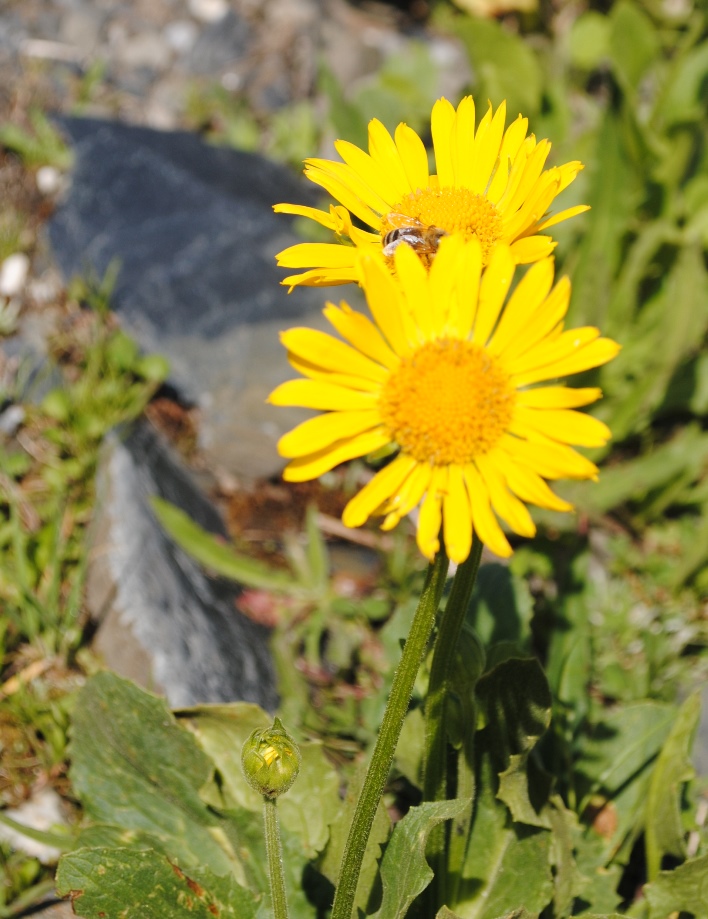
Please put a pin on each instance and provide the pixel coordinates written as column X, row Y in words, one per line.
column 134, row 767
column 683, row 101
column 144, row 884
column 622, row 744
column 404, row 871
column 634, row 43
column 506, row 865
column 211, row 552
column 664, row 833
column 504, row 65
column 516, row 703
column 614, row 193
column 501, row 606
column 685, row 889
column 589, row 40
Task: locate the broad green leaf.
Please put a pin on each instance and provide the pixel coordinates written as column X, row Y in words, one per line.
column 214, row 554
column 134, row 767
column 664, row 833
column 567, row 880
column 223, row 729
column 404, row 871
column 506, row 865
column 504, row 65
column 683, row 101
column 516, row 702
column 622, row 744
column 614, row 193
column 685, row 889
column 144, row 884
column 411, row 743
column 589, row 40
column 634, row 43
column 501, row 606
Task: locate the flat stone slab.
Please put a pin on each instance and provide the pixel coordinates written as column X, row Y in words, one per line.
column 162, row 621
column 193, row 229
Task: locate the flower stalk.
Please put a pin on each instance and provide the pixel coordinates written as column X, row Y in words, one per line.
column 382, row 757
column 274, row 851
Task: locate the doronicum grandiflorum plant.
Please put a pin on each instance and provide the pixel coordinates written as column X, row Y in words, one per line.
column 458, row 380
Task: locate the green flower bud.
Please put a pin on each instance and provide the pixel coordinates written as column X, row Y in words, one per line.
column 270, row 760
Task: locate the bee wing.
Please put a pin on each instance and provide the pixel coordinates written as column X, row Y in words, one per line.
column 402, row 221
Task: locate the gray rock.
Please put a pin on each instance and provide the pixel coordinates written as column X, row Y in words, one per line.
column 162, row 622
column 194, row 230
column 220, row 44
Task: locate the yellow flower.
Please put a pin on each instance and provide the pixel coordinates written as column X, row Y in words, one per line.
column 446, row 374
column 490, row 184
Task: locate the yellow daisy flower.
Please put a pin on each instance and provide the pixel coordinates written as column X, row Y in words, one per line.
column 445, row 373
column 490, row 184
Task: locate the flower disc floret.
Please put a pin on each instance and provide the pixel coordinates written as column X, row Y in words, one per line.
column 447, row 403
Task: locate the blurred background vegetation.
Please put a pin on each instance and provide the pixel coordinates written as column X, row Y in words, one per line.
column 615, row 599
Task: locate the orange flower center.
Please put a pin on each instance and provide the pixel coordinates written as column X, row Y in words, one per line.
column 452, row 210
column 447, row 403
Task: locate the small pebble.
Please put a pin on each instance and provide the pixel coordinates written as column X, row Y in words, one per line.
column 208, row 10
column 181, row 35
column 48, row 180
column 42, row 812
column 11, row 419
column 13, row 274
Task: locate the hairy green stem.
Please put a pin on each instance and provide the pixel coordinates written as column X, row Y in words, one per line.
column 382, row 757
column 435, row 758
column 274, row 852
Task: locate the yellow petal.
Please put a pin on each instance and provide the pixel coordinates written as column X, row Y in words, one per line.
column 322, row 217
column 346, row 186
column 558, row 397
column 483, row 519
column 324, row 255
column 562, row 215
column 541, row 323
column 528, row 485
column 414, row 281
column 530, row 292
column 369, row 171
column 309, row 467
column 573, row 356
column 376, row 492
column 329, row 353
column 414, row 156
column 318, row 394
column 506, row 505
column 347, row 380
column 495, row 283
column 532, row 172
column 322, row 277
column 457, row 520
column 531, row 249
column 323, row 431
column 487, row 147
column 361, row 332
column 463, row 143
column 408, row 496
column 463, row 306
column 564, row 425
column 430, row 516
column 385, row 153
column 386, row 304
column 442, row 125
column 548, row 458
